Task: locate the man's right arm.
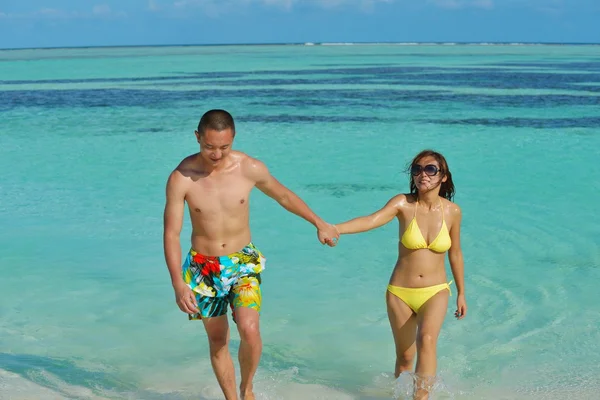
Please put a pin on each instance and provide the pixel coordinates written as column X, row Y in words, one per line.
column 173, row 222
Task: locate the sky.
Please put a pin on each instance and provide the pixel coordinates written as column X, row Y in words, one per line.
column 73, row 23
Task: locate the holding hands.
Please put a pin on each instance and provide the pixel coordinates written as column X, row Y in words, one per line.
column 328, row 234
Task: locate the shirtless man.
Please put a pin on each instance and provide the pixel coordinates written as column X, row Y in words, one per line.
column 223, row 268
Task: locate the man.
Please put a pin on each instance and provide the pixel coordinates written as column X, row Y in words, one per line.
column 223, row 268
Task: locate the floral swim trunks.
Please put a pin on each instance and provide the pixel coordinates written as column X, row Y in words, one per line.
column 232, row 280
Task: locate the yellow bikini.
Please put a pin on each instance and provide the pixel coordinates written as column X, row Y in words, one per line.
column 416, row 297
column 413, row 239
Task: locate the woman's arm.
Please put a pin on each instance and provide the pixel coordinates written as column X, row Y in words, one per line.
column 375, row 220
column 457, row 263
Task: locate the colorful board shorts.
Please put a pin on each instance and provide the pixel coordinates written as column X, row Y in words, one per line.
column 232, row 280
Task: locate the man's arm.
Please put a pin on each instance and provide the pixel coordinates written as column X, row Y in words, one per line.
column 173, row 221
column 270, row 186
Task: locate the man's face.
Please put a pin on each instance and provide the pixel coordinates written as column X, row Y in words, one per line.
column 215, row 146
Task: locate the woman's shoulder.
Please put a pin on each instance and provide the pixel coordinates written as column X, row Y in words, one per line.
column 451, row 207
column 403, row 200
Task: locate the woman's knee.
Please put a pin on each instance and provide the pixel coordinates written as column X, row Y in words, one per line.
column 426, row 341
column 405, row 358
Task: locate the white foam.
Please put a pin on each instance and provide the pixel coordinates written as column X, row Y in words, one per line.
column 279, row 385
column 298, row 391
column 15, row 387
column 545, row 394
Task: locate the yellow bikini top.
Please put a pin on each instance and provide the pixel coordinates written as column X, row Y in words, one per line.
column 413, row 238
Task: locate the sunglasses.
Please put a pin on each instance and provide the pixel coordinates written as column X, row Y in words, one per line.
column 429, row 169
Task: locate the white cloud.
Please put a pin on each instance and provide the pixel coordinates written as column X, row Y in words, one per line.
column 369, row 5
column 153, row 5
column 220, row 5
column 54, row 13
column 331, row 3
column 456, row 4
column 101, row 9
column 190, row 3
column 98, row 11
column 550, row 10
column 285, row 4
column 486, row 4
column 104, row 11
column 212, row 8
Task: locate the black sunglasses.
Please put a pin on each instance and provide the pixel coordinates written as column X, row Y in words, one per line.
column 430, row 170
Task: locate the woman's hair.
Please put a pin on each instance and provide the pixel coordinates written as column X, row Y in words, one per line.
column 447, row 188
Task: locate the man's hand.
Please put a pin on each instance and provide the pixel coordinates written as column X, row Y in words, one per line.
column 328, row 234
column 185, row 298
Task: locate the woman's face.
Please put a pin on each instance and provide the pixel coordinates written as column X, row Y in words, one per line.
column 426, row 174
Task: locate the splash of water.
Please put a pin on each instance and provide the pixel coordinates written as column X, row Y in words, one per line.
column 410, row 386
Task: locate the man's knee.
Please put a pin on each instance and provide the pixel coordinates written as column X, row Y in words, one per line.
column 218, row 335
column 249, row 330
column 217, row 340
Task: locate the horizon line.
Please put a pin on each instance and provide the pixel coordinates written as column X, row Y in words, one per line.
column 415, row 43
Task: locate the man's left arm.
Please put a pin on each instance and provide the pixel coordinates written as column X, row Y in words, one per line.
column 270, row 186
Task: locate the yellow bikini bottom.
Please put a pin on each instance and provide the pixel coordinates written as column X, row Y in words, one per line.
column 416, row 297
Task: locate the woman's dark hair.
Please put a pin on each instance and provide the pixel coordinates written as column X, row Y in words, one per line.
column 447, row 188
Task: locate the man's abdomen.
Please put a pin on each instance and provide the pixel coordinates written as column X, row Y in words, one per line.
column 220, row 236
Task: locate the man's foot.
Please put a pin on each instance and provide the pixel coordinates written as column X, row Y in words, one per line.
column 248, row 395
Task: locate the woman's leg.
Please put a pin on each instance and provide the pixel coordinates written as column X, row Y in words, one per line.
column 404, row 327
column 430, row 320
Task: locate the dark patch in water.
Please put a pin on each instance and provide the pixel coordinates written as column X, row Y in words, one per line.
column 503, row 79
column 346, row 189
column 349, row 80
column 287, row 118
column 519, row 101
column 12, row 99
column 153, row 130
column 549, row 123
column 497, row 78
column 329, row 103
column 593, row 66
column 589, row 88
column 211, row 75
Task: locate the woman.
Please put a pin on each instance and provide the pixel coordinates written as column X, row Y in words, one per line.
column 417, row 294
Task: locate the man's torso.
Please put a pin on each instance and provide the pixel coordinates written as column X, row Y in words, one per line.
column 219, row 206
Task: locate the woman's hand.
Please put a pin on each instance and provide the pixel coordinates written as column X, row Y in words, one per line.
column 461, row 307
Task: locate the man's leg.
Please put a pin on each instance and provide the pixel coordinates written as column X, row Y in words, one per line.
column 217, row 329
column 246, row 300
column 250, row 348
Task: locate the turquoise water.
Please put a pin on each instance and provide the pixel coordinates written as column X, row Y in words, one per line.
column 88, row 137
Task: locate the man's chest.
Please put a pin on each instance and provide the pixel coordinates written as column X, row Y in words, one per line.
column 223, row 194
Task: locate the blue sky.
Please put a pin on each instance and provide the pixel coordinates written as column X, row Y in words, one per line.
column 56, row 23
